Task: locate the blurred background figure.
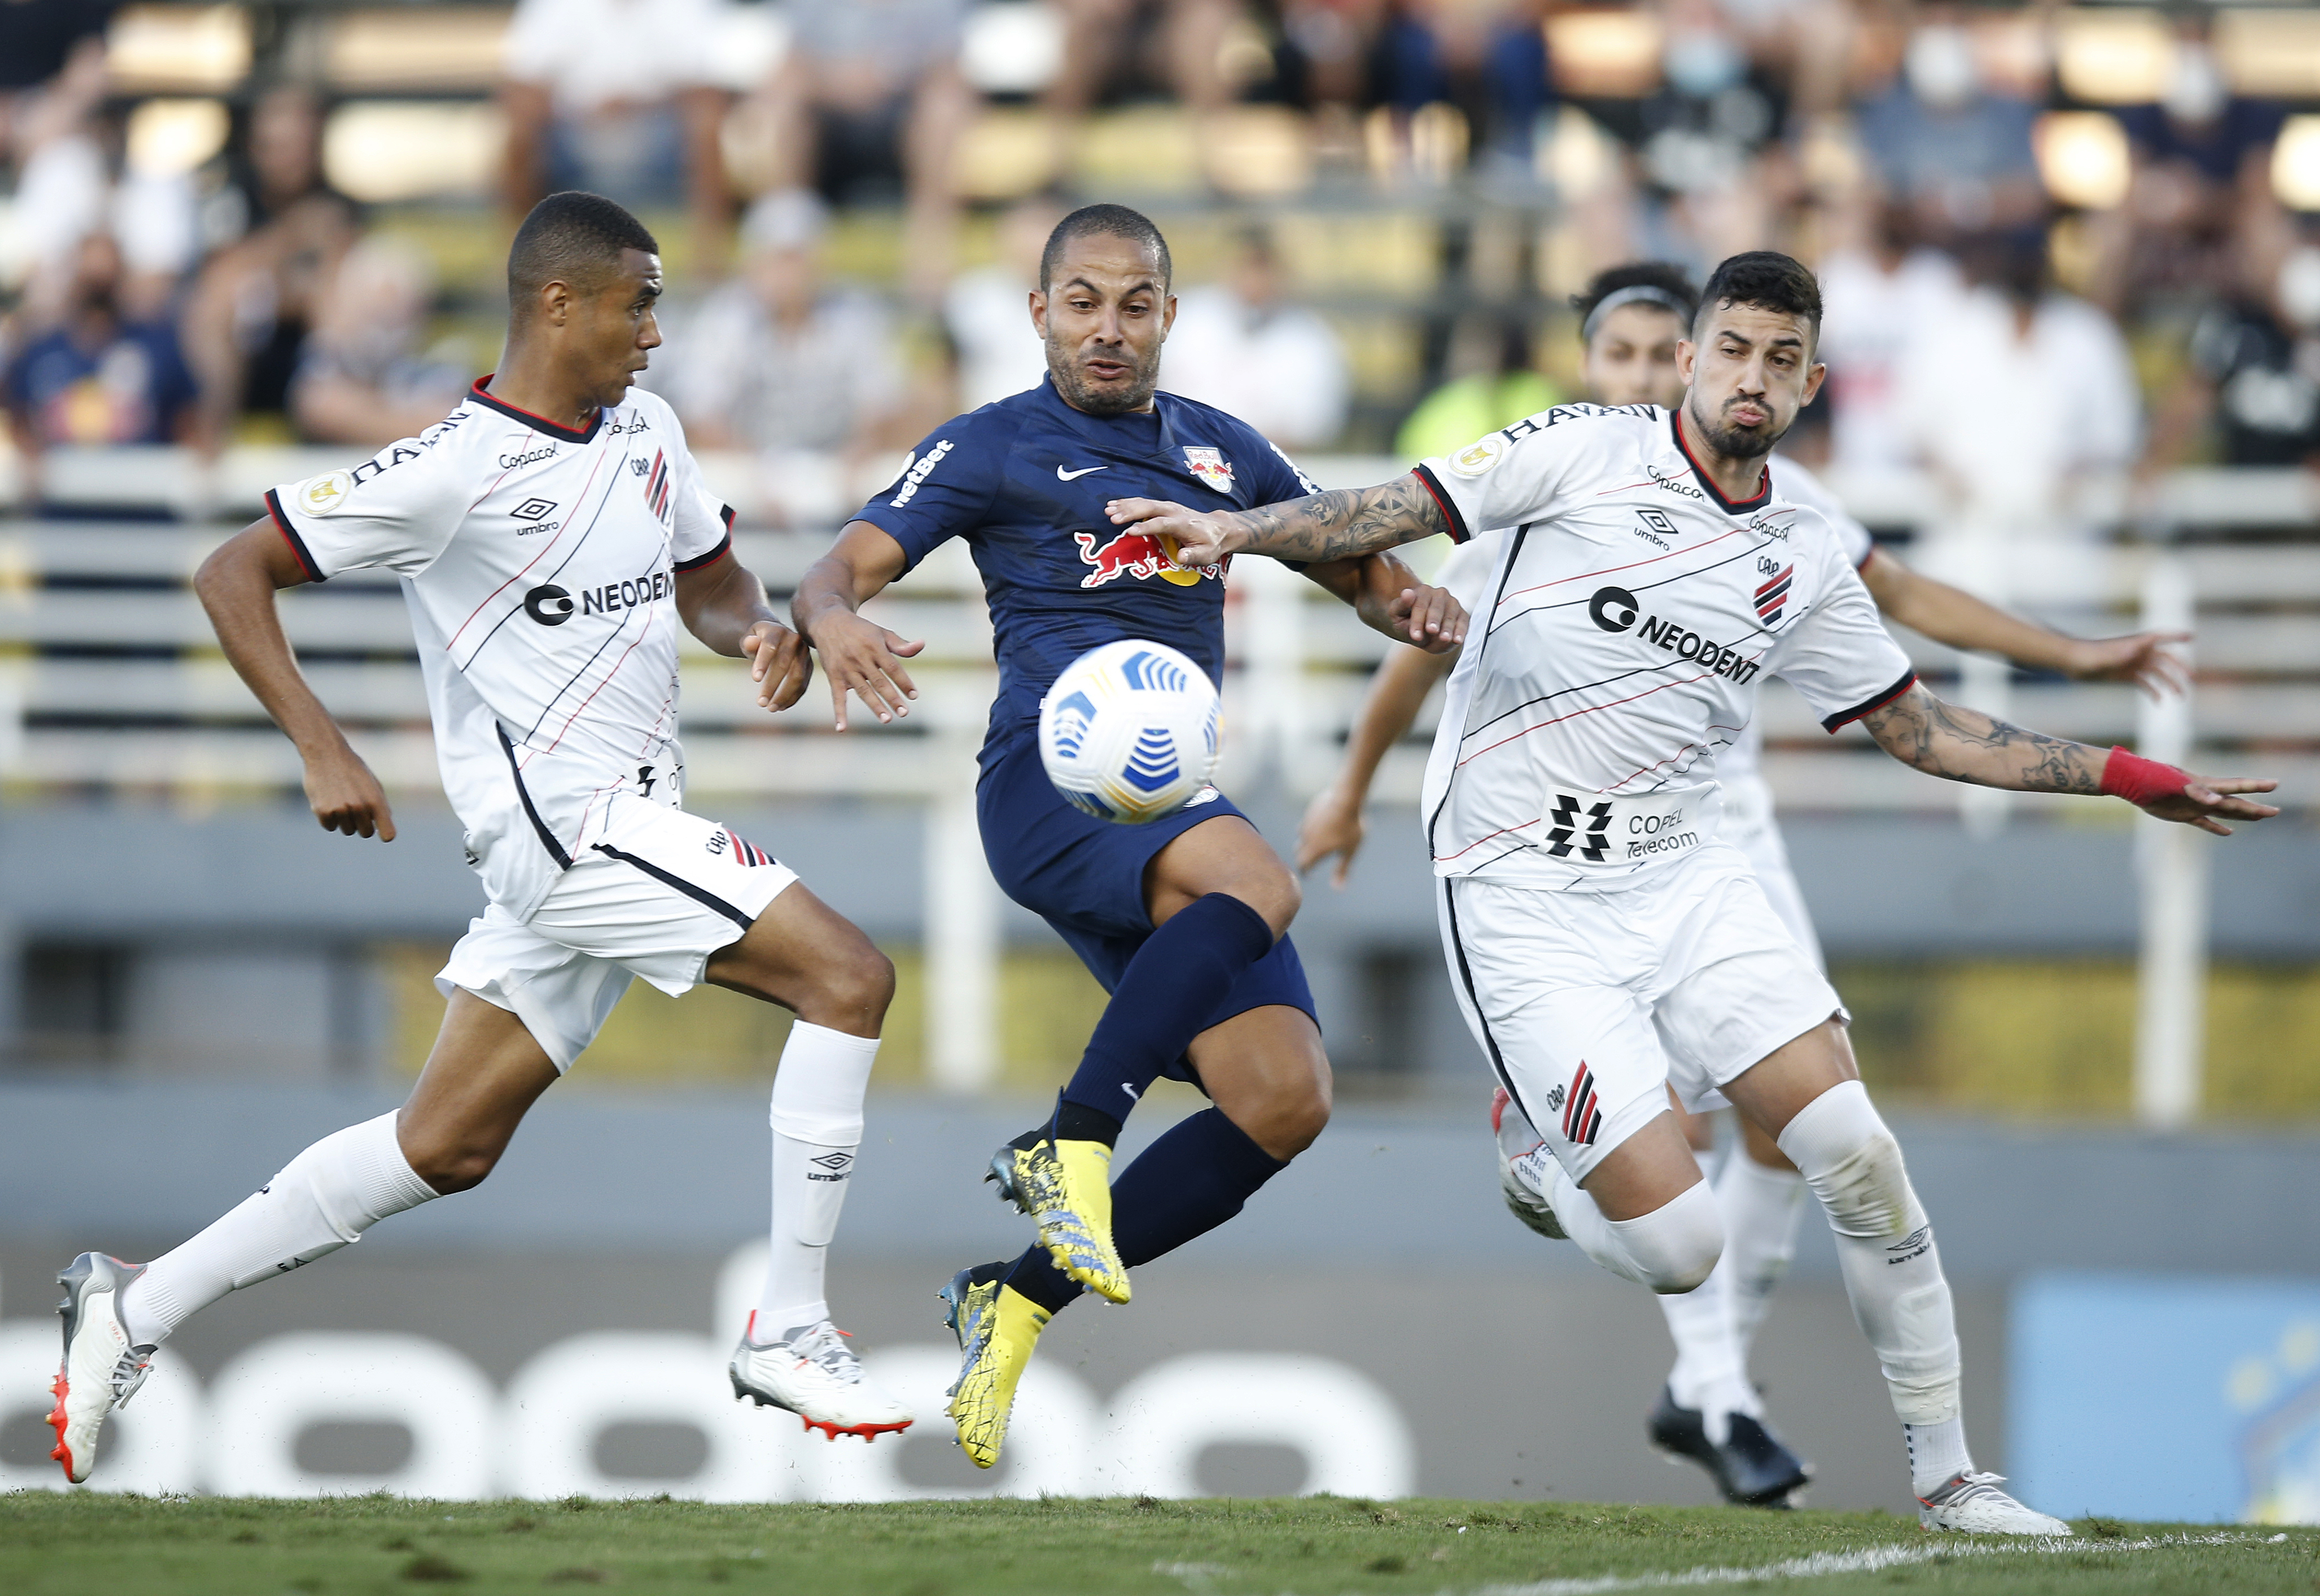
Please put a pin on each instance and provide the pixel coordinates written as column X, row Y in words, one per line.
column 364, row 377
column 1488, row 61
column 869, row 103
column 620, row 98
column 1246, row 347
column 1179, row 43
column 52, row 78
column 1493, row 383
column 987, row 312
column 802, row 373
column 1948, row 142
column 1878, row 297
column 2254, row 371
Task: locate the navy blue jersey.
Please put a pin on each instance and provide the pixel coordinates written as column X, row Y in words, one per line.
column 1025, row 480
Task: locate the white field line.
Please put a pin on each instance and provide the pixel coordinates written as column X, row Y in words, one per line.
column 1868, row 1560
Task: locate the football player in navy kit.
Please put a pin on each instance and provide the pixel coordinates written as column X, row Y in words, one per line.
column 1184, row 920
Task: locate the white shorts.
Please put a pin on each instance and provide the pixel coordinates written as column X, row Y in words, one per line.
column 1589, row 1006
column 1755, row 832
column 657, row 894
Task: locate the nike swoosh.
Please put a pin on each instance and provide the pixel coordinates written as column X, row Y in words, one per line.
column 1063, row 476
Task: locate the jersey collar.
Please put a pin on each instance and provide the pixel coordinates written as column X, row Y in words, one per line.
column 1109, row 431
column 538, row 423
column 1707, row 484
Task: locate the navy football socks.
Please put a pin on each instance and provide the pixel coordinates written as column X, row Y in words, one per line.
column 1163, row 1000
column 1188, row 1182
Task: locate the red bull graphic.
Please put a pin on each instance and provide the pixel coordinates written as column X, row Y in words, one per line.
column 1134, row 554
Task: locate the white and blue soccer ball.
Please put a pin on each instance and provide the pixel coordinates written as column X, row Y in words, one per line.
column 1128, row 731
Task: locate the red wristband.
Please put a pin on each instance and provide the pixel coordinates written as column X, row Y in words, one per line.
column 2141, row 781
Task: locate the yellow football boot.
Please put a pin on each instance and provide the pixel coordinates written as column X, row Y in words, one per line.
column 997, row 1327
column 1066, row 1186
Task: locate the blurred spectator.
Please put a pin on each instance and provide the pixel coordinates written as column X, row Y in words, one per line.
column 51, row 81
column 871, row 96
column 987, row 312
column 362, row 378
column 246, row 325
column 1492, row 384
column 2254, row 370
column 1946, row 143
column 1243, row 346
column 2019, row 396
column 1489, row 61
column 620, row 98
column 99, row 375
column 273, row 168
column 1876, row 300
column 1708, row 139
column 778, row 362
column 1176, row 42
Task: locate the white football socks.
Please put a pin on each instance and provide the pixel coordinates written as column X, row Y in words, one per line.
column 1892, row 1270
column 322, row 1200
column 1761, row 1208
column 1937, row 1455
column 1711, row 1372
column 817, row 1120
column 1671, row 1249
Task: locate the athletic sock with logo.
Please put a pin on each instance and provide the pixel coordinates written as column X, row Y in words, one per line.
column 1893, row 1270
column 322, row 1200
column 817, row 1120
column 1192, row 1179
column 1762, row 1206
column 1164, row 999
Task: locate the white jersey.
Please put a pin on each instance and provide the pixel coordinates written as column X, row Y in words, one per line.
column 540, row 563
column 1620, row 641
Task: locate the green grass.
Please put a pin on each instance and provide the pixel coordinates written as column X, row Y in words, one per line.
column 115, row 1546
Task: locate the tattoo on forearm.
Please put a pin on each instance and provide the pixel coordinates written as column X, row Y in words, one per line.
column 1964, row 745
column 1345, row 522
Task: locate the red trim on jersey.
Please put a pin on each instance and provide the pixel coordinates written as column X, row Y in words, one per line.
column 1630, row 565
column 724, row 547
column 536, row 558
column 1615, row 703
column 290, row 536
column 1838, row 722
column 1729, row 507
column 1458, row 532
column 1478, row 842
column 537, row 422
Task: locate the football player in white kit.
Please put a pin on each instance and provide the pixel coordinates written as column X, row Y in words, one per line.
column 551, row 533
column 1632, row 317
column 1604, row 941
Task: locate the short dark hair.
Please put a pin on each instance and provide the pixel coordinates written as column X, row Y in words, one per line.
column 1767, row 279
column 1665, row 277
column 1115, row 222
column 574, row 238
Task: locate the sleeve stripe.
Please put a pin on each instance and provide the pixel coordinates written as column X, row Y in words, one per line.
column 725, row 515
column 290, row 536
column 1839, row 722
column 724, row 547
column 1458, row 531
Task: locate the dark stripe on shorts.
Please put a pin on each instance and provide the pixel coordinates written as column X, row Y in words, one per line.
column 698, row 894
column 1466, row 978
column 547, row 837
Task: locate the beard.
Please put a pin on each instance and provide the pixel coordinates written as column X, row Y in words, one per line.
column 1738, row 443
column 1072, row 384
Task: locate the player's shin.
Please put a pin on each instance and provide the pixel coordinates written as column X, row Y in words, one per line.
column 1762, row 1206
column 1671, row 1249
column 322, row 1200
column 1710, row 1374
column 1893, row 1270
column 817, row 1121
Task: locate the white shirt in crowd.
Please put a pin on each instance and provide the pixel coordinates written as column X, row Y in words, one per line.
column 593, row 54
column 806, row 387
column 1280, row 367
column 988, row 314
column 1618, row 644
column 1869, row 318
column 539, row 563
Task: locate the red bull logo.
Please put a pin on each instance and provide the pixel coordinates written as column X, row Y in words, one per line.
column 1134, row 554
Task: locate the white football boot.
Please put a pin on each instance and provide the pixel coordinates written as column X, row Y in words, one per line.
column 102, row 1369
column 1521, row 1149
column 1972, row 1504
column 813, row 1373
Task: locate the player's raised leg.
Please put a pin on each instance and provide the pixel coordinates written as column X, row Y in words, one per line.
column 1220, row 899
column 801, row 954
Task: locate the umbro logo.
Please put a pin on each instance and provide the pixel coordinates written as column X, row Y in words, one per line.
column 836, row 1167
column 532, row 509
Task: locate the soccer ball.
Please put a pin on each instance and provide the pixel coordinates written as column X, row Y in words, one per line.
column 1128, row 731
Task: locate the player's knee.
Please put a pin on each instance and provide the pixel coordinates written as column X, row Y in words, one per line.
column 448, row 1163
column 1675, row 1247
column 1298, row 1118
column 856, row 985
column 1853, row 1163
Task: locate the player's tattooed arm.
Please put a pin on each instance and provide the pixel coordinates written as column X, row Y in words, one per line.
column 1339, row 525
column 725, row 605
column 1964, row 745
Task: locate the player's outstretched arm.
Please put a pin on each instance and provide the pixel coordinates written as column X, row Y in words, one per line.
column 725, row 606
column 1962, row 745
column 1335, row 525
column 235, row 585
column 1951, row 615
column 1391, row 600
column 858, row 656
column 1333, row 821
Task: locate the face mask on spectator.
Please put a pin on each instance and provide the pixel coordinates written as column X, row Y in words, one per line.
column 2195, row 87
column 1702, row 62
column 1941, row 67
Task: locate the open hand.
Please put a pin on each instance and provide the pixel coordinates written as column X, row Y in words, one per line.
column 2144, row 658
column 2205, row 797
column 865, row 659
column 1332, row 825
column 1435, row 621
column 1189, row 538
column 347, row 797
column 779, row 663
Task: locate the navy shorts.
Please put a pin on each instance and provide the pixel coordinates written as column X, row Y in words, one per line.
column 1085, row 878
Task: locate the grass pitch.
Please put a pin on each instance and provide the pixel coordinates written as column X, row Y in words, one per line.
column 117, row 1545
